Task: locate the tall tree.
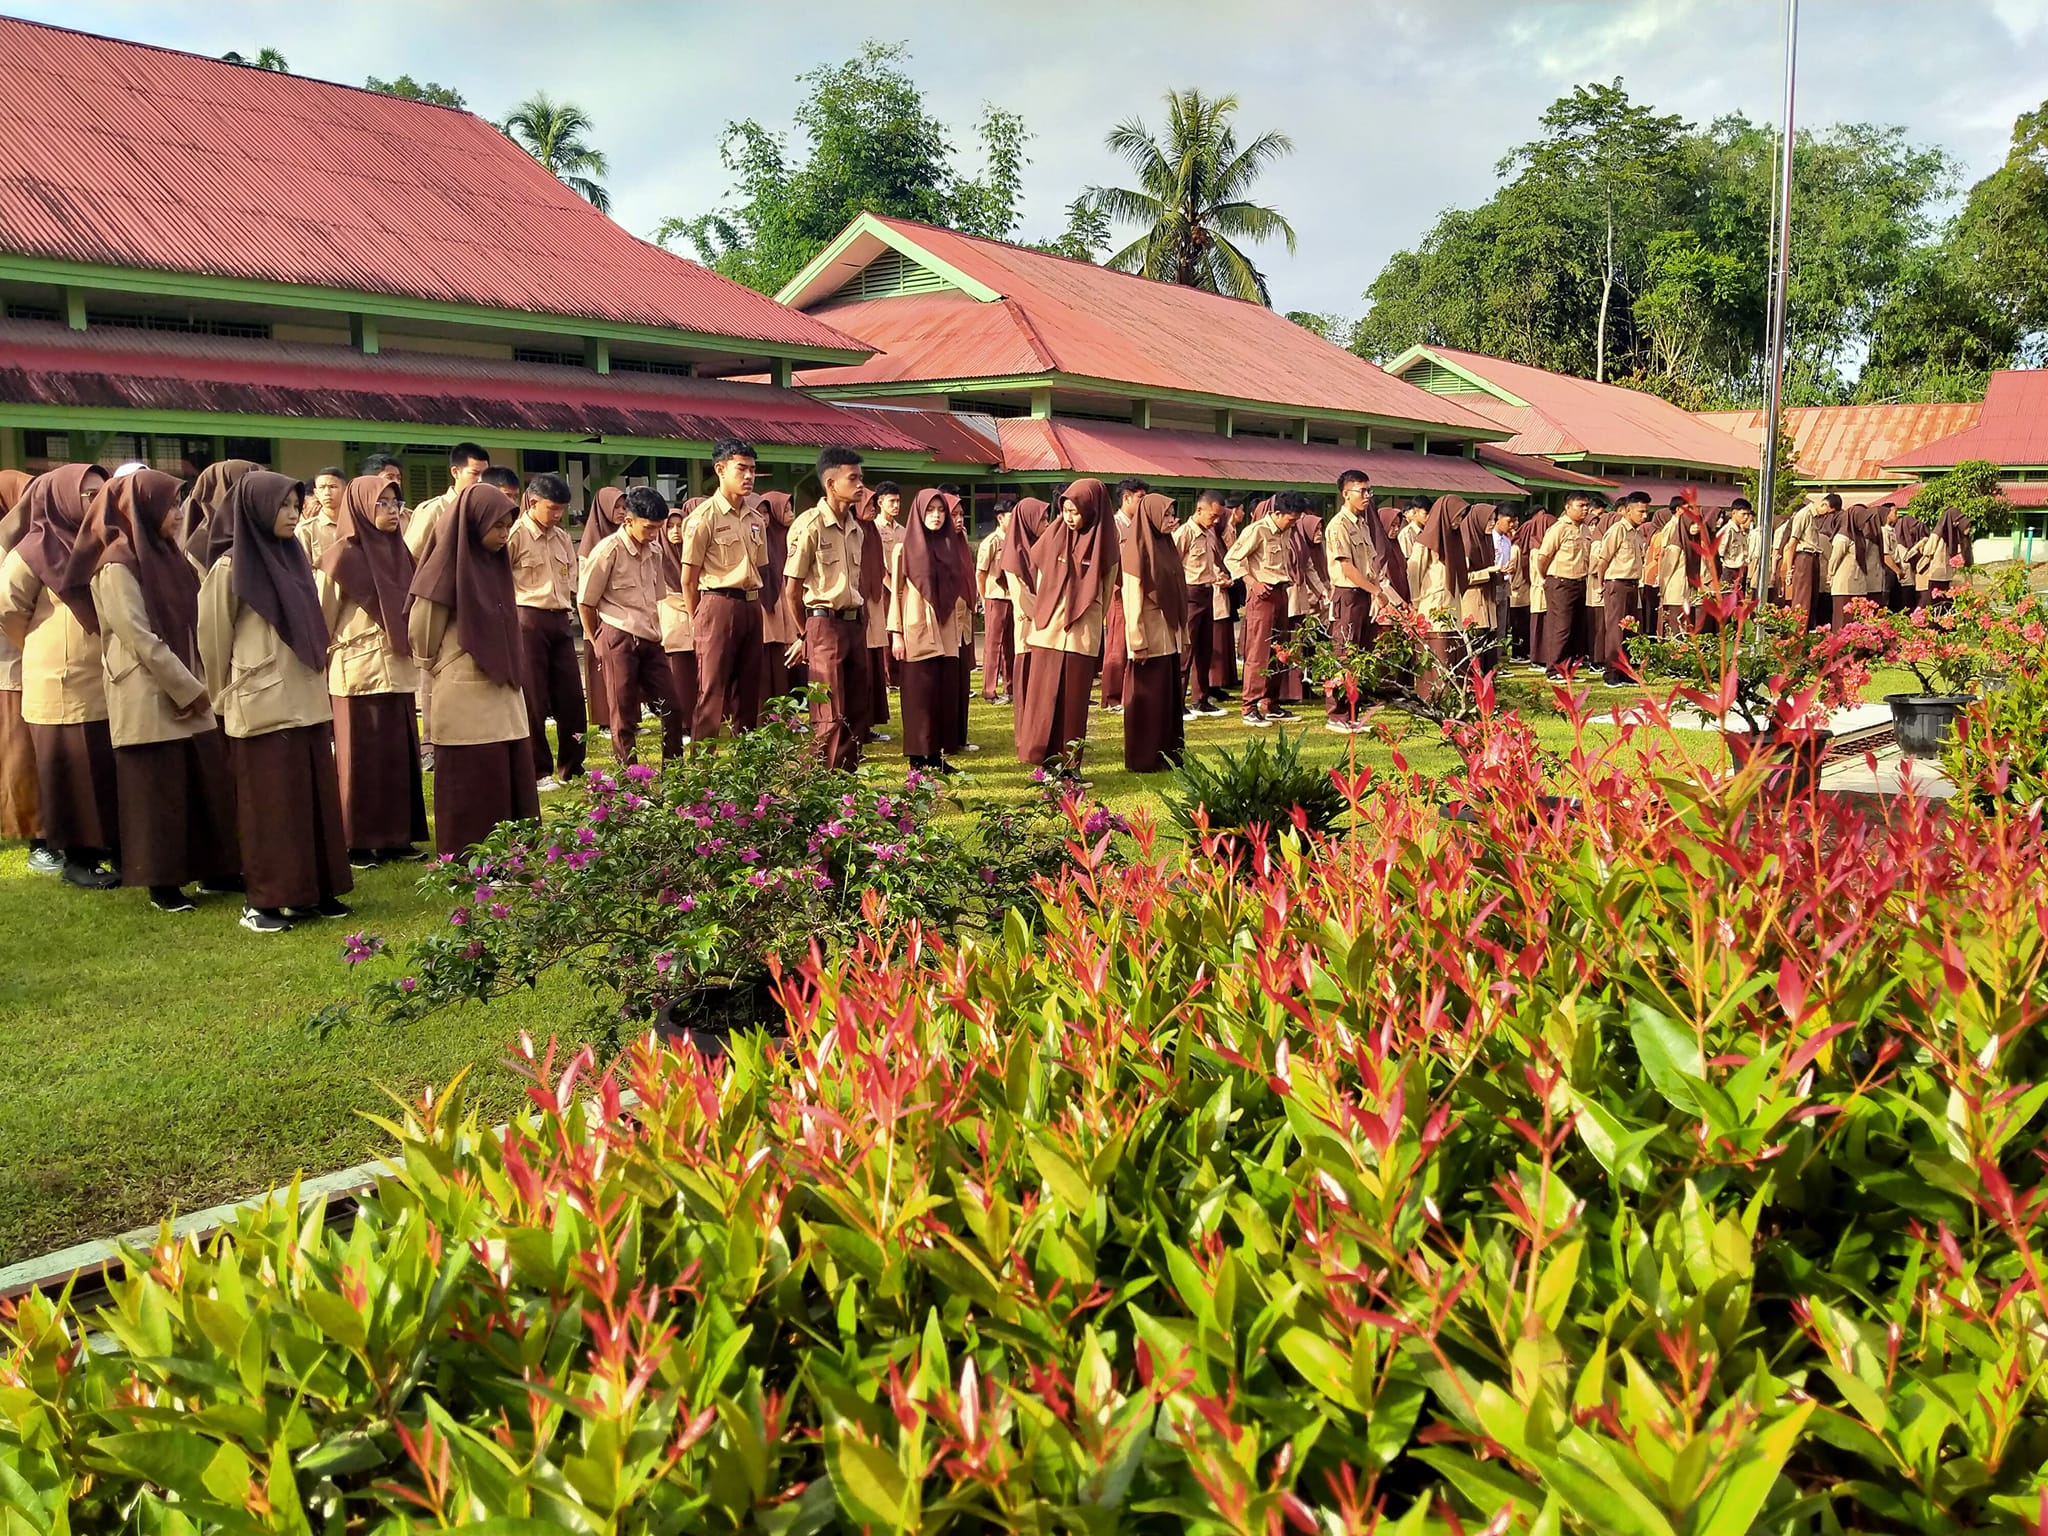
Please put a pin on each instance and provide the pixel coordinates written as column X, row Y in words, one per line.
column 267, row 58
column 555, row 134
column 2000, row 240
column 1086, row 237
column 417, row 90
column 868, row 145
column 1192, row 198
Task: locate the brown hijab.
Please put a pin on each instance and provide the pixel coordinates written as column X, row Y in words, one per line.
column 124, row 527
column 672, row 553
column 1028, row 521
column 475, row 584
column 604, row 518
column 1954, row 534
column 268, row 573
column 1866, row 532
column 1072, row 559
column 1441, row 537
column 206, row 502
column 1477, row 529
column 373, row 568
column 937, row 564
column 13, row 516
column 1149, row 554
column 1379, row 523
column 57, row 505
column 773, row 505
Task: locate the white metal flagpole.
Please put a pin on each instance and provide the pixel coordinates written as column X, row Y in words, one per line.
column 1774, row 344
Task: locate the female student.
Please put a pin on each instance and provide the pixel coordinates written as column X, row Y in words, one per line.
column 177, row 814
column 1943, row 554
column 678, row 637
column 1155, row 609
column 1076, row 565
column 64, row 690
column 1679, row 572
column 780, row 628
column 17, row 753
column 1020, row 583
column 264, row 644
column 930, row 577
column 206, row 503
column 1855, row 562
column 464, row 629
column 604, row 520
column 364, row 576
column 1438, row 581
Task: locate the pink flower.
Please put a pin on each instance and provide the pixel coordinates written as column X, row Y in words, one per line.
column 500, row 910
column 663, row 961
column 409, row 986
column 639, row 773
column 358, row 947
column 458, row 917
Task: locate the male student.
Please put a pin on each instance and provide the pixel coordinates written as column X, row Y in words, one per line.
column 619, row 596
column 544, row 587
column 725, row 549
column 1618, row 563
column 466, row 466
column 822, row 581
column 1562, row 562
column 1200, row 542
column 1259, row 559
column 316, row 530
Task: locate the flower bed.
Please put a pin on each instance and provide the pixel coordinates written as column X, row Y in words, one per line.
column 1663, row 1158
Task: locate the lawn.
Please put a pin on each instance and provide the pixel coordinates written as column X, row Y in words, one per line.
column 162, row 1064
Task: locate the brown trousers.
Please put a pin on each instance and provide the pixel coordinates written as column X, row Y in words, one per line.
column 1199, row 656
column 998, row 650
column 1265, row 625
column 637, row 673
column 836, row 651
column 1350, row 625
column 1561, row 638
column 553, row 689
column 1620, row 607
column 727, row 636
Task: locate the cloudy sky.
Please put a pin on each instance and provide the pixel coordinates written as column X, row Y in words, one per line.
column 1398, row 108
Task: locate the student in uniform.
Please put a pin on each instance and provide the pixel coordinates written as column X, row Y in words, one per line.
column 1076, row 565
column 544, row 564
column 1736, row 549
column 1308, row 594
column 1528, row 540
column 1199, row 543
column 619, row 595
column 678, row 643
column 18, row 820
column 1619, row 561
column 264, row 644
column 1855, row 562
column 1229, row 636
column 170, row 761
column 464, row 626
column 780, row 627
column 1679, row 571
column 1479, row 606
column 323, row 513
column 601, row 524
column 1356, row 579
column 1155, row 630
column 929, row 582
column 64, row 691
column 1439, row 586
column 824, row 581
column 206, row 501
column 364, row 579
column 998, row 643
column 1028, row 519
column 724, row 549
column 883, row 513
column 1943, row 555
column 1260, row 559
column 1115, row 658
column 1810, row 540
column 1909, row 534
column 955, row 739
column 1564, row 558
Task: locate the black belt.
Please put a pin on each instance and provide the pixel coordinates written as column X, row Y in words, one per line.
column 844, row 615
column 744, row 594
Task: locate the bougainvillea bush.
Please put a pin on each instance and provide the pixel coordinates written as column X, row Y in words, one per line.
column 1663, row 1157
column 657, row 889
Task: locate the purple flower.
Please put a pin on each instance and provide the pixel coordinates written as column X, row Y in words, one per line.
column 757, row 879
column 358, row 947
column 634, row 802
column 481, row 895
column 663, row 961
column 409, row 986
column 848, row 801
column 458, row 917
column 585, row 837
column 639, row 773
column 750, row 855
column 500, row 910
column 988, row 876
column 884, row 806
column 906, row 826
column 1038, row 775
column 686, row 903
column 1100, row 821
column 554, row 853
column 834, row 828
column 597, row 814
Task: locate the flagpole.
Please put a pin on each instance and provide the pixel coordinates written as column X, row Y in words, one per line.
column 1774, row 344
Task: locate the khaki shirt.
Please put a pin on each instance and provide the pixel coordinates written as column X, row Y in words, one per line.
column 1848, row 578
column 927, row 634
column 986, row 554
column 1260, row 554
column 1566, row 551
column 316, row 534
column 1737, row 547
column 1805, row 538
column 419, row 522
column 624, row 585
column 258, row 683
column 1620, row 555
column 1409, row 541
column 1673, row 589
column 882, row 537
column 825, row 558
column 1931, row 563
column 1146, row 631
column 726, row 544
column 147, row 682
column 543, row 566
column 1344, row 539
column 361, row 659
column 1083, row 638
column 678, row 634
column 471, row 708
column 63, row 679
column 1199, row 566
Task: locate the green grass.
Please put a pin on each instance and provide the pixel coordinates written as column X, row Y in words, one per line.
column 161, row 1064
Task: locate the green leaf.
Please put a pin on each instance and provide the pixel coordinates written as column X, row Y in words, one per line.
column 870, row 1485
column 1322, row 1365
column 1065, row 1181
column 1669, row 1053
column 1729, row 1505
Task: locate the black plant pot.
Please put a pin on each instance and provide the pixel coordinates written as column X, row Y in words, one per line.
column 1922, row 722
column 706, row 1018
column 1795, row 758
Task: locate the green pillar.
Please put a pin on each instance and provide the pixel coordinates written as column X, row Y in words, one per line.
column 1141, row 413
column 1301, row 430
column 1362, row 439
column 1041, row 403
column 1226, row 422
column 1422, row 442
column 784, row 372
column 362, row 334
column 74, row 307
column 597, row 355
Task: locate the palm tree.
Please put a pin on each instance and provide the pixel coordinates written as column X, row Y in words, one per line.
column 552, row 132
column 1191, row 198
column 268, row 58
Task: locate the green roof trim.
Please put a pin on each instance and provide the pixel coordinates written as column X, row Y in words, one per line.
column 1400, row 366
column 797, row 291
column 189, row 285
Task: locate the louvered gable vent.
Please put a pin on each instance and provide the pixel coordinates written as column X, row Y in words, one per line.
column 1433, row 376
column 891, row 275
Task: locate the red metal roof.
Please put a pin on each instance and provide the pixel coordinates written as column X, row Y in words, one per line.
column 2021, row 493
column 1660, row 490
column 42, row 364
column 1573, row 416
column 1494, row 456
column 1113, row 450
column 131, row 156
column 2012, row 429
column 953, row 437
column 1852, row 444
column 1062, row 316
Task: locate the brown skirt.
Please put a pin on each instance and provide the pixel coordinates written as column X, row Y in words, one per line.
column 956, row 740
column 877, row 711
column 1116, row 651
column 177, row 812
column 377, row 757
column 1803, row 591
column 1154, row 733
column 774, row 674
column 17, row 771
column 1559, row 633
column 1054, row 710
column 477, row 787
column 931, row 703
column 288, row 809
column 77, row 795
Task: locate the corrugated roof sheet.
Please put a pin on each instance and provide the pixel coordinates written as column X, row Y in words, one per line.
column 1494, row 456
column 1660, row 490
column 2021, row 493
column 1847, row 444
column 44, row 364
column 1112, row 450
column 954, row 437
column 2012, row 429
column 131, row 156
column 1572, row 415
column 1063, row 316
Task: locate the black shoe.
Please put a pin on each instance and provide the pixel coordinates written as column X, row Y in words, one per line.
column 90, row 877
column 1279, row 713
column 406, row 855
column 362, row 858
column 227, row 885
column 1254, row 718
column 44, row 860
column 265, row 920
column 330, row 907
column 168, row 898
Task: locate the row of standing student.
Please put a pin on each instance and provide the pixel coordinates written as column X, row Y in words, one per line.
column 1829, row 556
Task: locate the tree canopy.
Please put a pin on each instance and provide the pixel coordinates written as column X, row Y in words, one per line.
column 867, row 143
column 417, row 90
column 555, row 134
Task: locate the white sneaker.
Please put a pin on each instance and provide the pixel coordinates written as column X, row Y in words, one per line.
column 548, row 783
column 970, row 747
column 1338, row 727
column 878, row 736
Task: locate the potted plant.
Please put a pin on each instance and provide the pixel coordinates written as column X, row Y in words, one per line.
column 1947, row 650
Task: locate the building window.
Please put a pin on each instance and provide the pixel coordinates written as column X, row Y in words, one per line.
column 638, row 365
column 980, row 407
column 248, row 330
column 174, row 455
column 540, row 461
column 33, row 312
column 543, row 355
